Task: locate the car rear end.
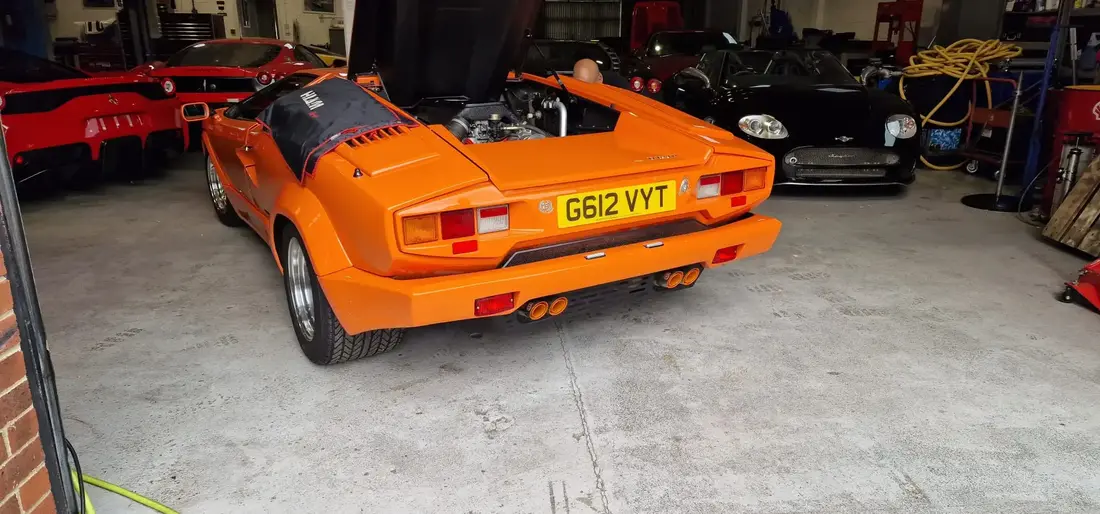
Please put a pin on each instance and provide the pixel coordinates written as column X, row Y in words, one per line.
column 64, row 129
column 540, row 235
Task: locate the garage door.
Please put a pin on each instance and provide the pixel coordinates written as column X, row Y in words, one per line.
column 579, row 19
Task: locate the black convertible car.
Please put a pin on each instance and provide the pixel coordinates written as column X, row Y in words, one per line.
column 802, row 106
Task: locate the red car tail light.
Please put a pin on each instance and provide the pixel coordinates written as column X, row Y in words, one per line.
column 264, row 78
column 709, row 186
column 637, row 84
column 654, row 86
column 726, row 254
column 169, row 86
column 494, row 304
column 492, row 219
column 733, row 182
column 456, row 224
column 420, row 229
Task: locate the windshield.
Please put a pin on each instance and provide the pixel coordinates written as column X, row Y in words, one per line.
column 689, row 43
column 562, row 55
column 239, row 55
column 815, row 67
column 24, row 68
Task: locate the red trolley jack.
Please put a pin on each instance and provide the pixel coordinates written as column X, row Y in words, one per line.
column 1086, row 287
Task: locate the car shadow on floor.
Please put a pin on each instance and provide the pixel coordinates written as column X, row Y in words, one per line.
column 842, row 192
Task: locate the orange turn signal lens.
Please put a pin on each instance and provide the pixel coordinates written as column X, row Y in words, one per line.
column 420, row 229
column 756, row 178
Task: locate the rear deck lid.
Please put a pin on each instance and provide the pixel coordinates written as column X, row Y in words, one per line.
column 557, row 160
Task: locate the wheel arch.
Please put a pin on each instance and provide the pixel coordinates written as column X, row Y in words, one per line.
column 299, row 208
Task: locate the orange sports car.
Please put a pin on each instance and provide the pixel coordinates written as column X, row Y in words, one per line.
column 460, row 190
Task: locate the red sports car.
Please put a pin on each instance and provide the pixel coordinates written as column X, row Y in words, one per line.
column 64, row 127
column 225, row 71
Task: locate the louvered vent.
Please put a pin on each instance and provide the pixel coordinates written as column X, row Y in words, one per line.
column 375, row 136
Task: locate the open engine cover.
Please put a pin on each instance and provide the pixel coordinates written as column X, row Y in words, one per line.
column 315, row 120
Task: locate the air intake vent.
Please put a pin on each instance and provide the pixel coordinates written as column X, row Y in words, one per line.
column 375, row 136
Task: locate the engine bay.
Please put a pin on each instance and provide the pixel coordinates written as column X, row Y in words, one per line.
column 525, row 111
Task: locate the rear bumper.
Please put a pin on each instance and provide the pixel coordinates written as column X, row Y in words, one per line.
column 363, row 301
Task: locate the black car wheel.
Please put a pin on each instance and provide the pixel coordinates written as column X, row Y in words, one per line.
column 322, row 338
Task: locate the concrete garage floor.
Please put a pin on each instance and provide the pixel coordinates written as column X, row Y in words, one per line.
column 891, row 354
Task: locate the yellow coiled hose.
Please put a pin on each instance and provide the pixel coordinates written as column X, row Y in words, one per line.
column 964, row 60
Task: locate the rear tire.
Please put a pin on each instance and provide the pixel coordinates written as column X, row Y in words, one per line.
column 321, row 336
column 223, row 209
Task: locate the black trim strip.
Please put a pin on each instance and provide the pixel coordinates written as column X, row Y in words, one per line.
column 48, row 100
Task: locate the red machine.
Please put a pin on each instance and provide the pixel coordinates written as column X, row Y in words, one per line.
column 66, row 128
column 1076, row 136
column 1086, row 287
column 902, row 19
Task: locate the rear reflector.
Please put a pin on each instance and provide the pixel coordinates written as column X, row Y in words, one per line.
column 755, row 178
column 456, row 224
column 709, row 186
column 420, row 229
column 738, row 201
column 726, row 254
column 464, row 246
column 492, row 219
column 494, row 304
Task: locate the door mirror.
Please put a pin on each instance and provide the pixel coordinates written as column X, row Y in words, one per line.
column 339, row 63
column 197, row 111
column 695, row 77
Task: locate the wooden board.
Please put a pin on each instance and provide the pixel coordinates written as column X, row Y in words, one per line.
column 1076, row 223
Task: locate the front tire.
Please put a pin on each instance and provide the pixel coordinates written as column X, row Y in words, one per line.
column 321, row 336
column 222, row 208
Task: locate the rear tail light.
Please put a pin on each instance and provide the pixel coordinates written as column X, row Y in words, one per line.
column 492, row 219
column 654, row 86
column 420, row 229
column 169, row 86
column 731, row 183
column 709, row 186
column 494, row 304
column 637, row 84
column 456, row 224
column 264, row 78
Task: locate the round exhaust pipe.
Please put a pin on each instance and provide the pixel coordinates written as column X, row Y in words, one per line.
column 533, row 311
column 558, row 305
column 691, row 276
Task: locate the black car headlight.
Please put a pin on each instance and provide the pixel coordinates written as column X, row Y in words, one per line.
column 901, row 126
column 763, row 127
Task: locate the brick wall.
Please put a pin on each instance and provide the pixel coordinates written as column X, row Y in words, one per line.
column 24, row 482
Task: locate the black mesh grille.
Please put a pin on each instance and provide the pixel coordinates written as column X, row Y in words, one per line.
column 863, row 157
column 44, row 101
column 625, row 237
column 827, row 173
column 214, row 85
column 35, row 161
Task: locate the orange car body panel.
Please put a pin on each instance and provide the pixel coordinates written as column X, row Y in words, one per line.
column 350, row 209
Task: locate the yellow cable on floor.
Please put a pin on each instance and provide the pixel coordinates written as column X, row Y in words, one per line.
column 964, row 60
column 132, row 496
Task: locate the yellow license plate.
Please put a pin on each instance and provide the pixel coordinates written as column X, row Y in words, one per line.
column 615, row 204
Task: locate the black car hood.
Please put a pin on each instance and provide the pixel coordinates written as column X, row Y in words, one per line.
column 813, row 111
column 440, row 48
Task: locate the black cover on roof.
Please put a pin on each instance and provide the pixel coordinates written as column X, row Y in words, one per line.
column 312, row 121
